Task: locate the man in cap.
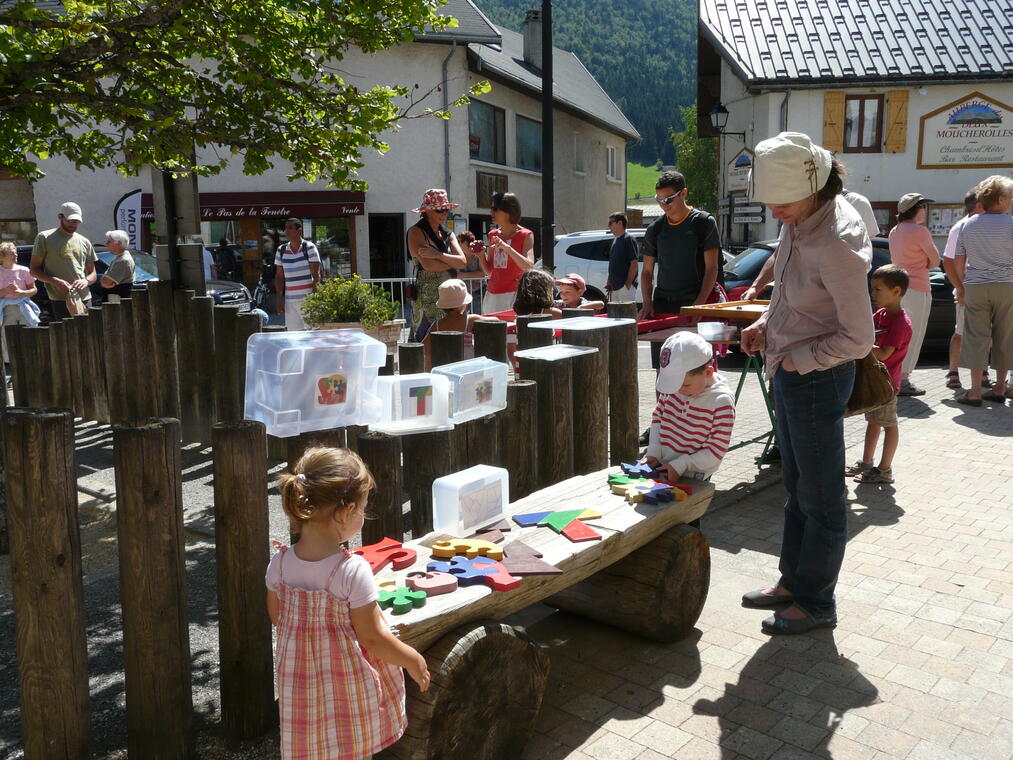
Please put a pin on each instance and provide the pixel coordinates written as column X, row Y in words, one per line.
column 65, row 261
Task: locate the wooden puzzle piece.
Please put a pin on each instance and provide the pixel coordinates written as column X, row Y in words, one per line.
column 578, row 531
column 433, row 583
column 384, row 552
column 653, row 494
column 469, row 547
column 639, row 469
column 559, row 520
column 620, row 488
column 473, row 572
column 521, row 559
column 495, row 536
column 401, row 600
column 387, row 585
column 685, row 488
column 500, row 578
column 532, row 518
column 590, row 514
column 503, row 526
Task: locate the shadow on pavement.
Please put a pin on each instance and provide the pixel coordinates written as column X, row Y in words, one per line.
column 989, row 419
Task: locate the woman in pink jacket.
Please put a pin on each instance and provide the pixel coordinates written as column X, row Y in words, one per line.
column 911, row 248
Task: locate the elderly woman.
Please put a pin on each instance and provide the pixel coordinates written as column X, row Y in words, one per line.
column 17, row 286
column 985, row 256
column 119, row 277
column 818, row 323
column 912, row 249
column 437, row 256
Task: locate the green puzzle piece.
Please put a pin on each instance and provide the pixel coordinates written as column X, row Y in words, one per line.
column 559, row 520
column 402, row 600
column 617, row 479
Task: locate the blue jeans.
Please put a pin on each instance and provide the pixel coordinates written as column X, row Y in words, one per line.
column 810, row 420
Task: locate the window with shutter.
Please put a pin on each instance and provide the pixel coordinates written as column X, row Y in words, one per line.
column 487, row 184
column 896, row 121
column 863, row 124
column 833, row 121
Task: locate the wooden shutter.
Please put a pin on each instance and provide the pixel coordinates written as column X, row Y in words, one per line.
column 833, row 121
column 896, row 121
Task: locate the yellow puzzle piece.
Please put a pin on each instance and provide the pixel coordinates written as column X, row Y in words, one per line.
column 469, row 547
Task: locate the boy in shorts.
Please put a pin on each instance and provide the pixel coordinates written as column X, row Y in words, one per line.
column 893, row 333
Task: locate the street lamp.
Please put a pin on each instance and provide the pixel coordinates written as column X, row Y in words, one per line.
column 719, row 118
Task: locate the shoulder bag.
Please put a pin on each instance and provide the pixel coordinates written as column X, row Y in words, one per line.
column 873, row 386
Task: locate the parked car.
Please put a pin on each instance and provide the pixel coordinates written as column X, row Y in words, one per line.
column 742, row 270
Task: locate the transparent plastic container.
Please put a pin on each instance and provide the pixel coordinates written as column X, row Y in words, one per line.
column 417, row 403
column 555, row 353
column 716, row 330
column 312, row 380
column 477, row 387
column 470, row 499
column 581, row 323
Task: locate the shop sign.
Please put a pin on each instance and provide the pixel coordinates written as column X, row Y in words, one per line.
column 737, row 176
column 975, row 132
column 127, row 216
column 303, row 205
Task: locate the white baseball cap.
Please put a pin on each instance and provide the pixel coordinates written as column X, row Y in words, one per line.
column 788, row 168
column 71, row 212
column 679, row 354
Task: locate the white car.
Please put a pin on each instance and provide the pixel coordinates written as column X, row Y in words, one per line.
column 587, row 254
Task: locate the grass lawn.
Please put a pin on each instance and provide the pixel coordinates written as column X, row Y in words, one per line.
column 641, row 179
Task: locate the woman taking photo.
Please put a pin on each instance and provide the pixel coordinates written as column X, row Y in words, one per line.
column 985, row 255
column 437, row 256
column 511, row 252
column 818, row 323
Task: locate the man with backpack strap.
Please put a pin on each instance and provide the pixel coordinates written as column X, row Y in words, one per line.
column 297, row 272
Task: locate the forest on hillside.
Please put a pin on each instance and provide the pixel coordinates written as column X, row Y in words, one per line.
column 643, row 52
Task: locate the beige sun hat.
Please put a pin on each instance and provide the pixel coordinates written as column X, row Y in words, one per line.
column 788, row 168
column 453, row 295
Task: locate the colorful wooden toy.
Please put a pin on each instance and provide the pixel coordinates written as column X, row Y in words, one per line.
column 578, row 531
column 385, row 552
column 590, row 514
column 652, row 494
column 433, row 583
column 620, row 488
column 559, row 520
column 503, row 526
column 495, row 536
column 639, row 469
column 532, row 518
column 480, row 570
column 685, row 488
column 401, row 600
column 500, row 578
column 521, row 559
column 469, row 547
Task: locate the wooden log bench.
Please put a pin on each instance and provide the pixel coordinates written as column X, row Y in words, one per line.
column 648, row 574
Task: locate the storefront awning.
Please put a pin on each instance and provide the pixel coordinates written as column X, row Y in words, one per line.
column 305, row 204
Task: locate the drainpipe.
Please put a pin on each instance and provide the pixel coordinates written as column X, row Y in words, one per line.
column 784, row 111
column 446, row 123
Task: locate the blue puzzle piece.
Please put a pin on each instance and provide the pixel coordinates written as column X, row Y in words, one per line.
column 639, row 470
column 468, row 572
column 532, row 518
column 657, row 493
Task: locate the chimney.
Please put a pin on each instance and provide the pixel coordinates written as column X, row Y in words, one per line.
column 532, row 31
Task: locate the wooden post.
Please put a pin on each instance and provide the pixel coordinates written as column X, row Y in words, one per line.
column 590, row 400
column 427, row 456
column 87, row 364
column 116, row 381
column 241, row 551
column 156, row 643
column 130, row 363
column 411, row 358
column 59, row 364
column 297, row 444
column 475, row 442
column 20, row 371
column 555, row 417
column 38, row 363
column 74, row 358
column 163, row 346
column 491, row 340
column 49, row 621
column 388, row 366
column 97, row 363
column 447, row 347
column 186, row 363
column 352, row 433
column 232, row 331
column 528, row 338
column 202, row 319
column 518, row 437
column 382, row 454
column 573, row 313
column 145, row 384
column 624, row 388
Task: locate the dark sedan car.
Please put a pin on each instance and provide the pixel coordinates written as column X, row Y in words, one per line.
column 742, row 270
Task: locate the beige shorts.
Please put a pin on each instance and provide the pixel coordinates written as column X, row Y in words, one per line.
column 884, row 416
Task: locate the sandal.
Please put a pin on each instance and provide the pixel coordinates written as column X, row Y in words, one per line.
column 778, row 624
column 857, row 468
column 965, row 399
column 875, row 475
column 760, row 598
column 985, row 382
column 998, row 398
column 953, row 380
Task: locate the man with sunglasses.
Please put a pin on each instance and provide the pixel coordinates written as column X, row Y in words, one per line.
column 685, row 247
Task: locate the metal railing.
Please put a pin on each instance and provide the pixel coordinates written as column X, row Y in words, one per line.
column 396, row 287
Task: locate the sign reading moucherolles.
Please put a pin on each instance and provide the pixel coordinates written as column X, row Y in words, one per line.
column 975, row 132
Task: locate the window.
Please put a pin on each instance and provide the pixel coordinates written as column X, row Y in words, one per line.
column 488, row 184
column 863, row 123
column 578, row 153
column 487, row 132
column 597, row 250
column 529, row 144
column 611, row 163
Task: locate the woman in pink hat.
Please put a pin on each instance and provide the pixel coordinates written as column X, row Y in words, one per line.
column 437, row 256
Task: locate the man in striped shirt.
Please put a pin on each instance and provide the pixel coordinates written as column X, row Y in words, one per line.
column 296, row 274
column 692, row 422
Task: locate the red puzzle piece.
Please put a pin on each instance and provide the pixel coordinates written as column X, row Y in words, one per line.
column 385, row 552
column 684, row 487
column 500, row 579
column 579, row 531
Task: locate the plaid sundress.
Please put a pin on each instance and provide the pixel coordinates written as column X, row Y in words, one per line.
column 337, row 701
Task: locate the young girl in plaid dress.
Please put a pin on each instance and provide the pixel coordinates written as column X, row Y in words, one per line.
column 340, row 686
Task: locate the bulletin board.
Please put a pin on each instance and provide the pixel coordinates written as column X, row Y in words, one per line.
column 942, row 216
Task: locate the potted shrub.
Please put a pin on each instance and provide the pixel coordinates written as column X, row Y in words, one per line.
column 350, row 302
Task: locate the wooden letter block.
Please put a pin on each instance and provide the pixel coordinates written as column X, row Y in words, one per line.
column 433, row 584
column 469, row 547
column 401, row 600
column 387, row 551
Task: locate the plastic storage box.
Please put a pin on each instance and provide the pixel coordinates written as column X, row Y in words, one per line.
column 470, row 499
column 581, row 323
column 312, row 380
column 412, row 404
column 555, row 353
column 477, row 387
column 716, row 331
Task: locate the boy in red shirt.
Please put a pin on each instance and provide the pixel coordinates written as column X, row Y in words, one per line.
column 893, row 334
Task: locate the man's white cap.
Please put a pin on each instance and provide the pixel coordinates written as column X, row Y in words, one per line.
column 71, row 212
column 679, row 354
column 788, row 168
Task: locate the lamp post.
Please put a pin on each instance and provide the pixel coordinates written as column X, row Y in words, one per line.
column 548, row 201
column 718, row 116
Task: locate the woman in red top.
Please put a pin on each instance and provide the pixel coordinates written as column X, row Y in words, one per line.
column 511, row 252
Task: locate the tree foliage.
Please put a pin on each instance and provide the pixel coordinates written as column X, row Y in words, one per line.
column 130, row 83
column 643, row 52
column 697, row 158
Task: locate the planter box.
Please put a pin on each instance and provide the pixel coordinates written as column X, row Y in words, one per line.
column 388, row 333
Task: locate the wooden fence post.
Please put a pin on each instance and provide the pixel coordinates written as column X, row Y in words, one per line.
column 74, row 358
column 38, row 363
column 186, row 363
column 447, row 347
column 130, row 363
column 411, row 358
column 232, row 330
column 590, row 400
column 97, row 363
column 202, row 319
column 382, row 454
column 518, row 437
column 427, row 456
column 574, row 313
column 59, row 364
column 156, row 643
column 241, row 552
column 624, row 386
column 297, row 444
column 145, row 384
column 491, row 340
column 555, row 417
column 163, row 346
column 86, row 360
column 46, row 577
column 475, row 442
column 528, row 338
column 20, row 371
column 116, row 381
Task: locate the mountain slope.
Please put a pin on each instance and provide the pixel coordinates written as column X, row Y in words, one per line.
column 643, row 52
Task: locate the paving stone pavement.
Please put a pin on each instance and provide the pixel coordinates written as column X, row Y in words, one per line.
column 919, row 667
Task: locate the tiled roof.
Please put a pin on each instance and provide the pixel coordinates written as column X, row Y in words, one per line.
column 851, row 41
column 472, row 25
column 573, row 85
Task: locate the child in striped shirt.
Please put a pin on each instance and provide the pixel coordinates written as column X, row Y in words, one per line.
column 692, row 422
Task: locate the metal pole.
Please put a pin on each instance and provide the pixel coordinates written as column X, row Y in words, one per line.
column 548, row 211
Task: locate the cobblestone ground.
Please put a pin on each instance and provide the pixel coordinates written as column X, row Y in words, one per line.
column 920, row 666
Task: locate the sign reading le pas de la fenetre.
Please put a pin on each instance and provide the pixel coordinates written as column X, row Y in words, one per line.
column 975, row 132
